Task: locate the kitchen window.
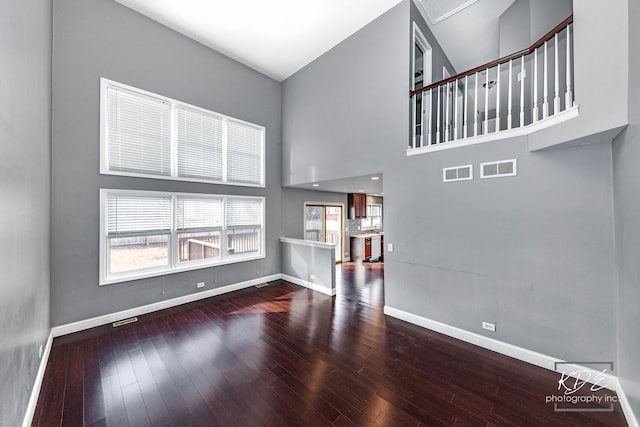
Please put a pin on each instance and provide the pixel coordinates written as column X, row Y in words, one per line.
column 373, row 219
column 148, row 233
column 148, row 135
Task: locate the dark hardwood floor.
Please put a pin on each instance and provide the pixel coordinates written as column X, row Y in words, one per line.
column 285, row 355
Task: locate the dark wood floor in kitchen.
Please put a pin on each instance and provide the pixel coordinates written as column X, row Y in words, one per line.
column 285, row 355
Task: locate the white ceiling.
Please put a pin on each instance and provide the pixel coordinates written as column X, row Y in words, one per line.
column 275, row 37
column 362, row 184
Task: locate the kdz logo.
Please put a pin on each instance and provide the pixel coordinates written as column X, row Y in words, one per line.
column 582, row 389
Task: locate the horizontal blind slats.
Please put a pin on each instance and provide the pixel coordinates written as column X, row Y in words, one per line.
column 138, row 133
column 244, row 153
column 199, row 138
column 244, row 212
column 130, row 214
column 198, row 213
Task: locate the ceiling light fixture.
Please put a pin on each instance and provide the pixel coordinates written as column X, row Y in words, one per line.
column 490, row 85
column 316, row 185
column 375, row 178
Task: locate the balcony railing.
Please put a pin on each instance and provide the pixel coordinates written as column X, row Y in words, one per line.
column 507, row 96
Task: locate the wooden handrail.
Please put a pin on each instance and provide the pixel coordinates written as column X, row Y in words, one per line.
column 530, row 49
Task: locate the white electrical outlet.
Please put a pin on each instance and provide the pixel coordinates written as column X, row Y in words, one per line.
column 489, row 326
column 40, row 352
column 390, row 247
column 200, row 285
column 312, row 276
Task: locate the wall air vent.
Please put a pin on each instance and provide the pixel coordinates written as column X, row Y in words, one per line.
column 438, row 10
column 499, row 169
column 457, row 173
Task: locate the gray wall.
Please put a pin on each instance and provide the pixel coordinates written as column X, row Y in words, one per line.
column 533, row 253
column 515, row 28
column 101, row 38
column 337, row 109
column 293, row 200
column 310, row 263
column 25, row 158
column 626, row 179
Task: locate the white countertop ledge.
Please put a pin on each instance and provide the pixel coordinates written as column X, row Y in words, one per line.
column 293, row 241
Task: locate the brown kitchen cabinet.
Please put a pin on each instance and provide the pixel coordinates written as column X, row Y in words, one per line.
column 357, row 204
column 367, row 248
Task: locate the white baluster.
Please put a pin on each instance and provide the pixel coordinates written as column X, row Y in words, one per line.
column 510, row 100
column 455, row 110
column 430, row 116
column 465, row 112
column 556, row 99
column 415, row 121
column 498, row 101
column 447, row 126
column 536, row 113
column 522, row 77
column 545, row 102
column 475, row 109
column 568, row 96
column 438, row 118
column 486, row 102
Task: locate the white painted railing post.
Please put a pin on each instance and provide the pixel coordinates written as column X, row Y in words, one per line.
column 447, row 126
column 522, row 77
column 415, row 121
column 510, row 100
column 475, row 109
column 535, row 111
column 568, row 96
column 430, row 116
column 486, row 102
column 498, row 100
column 438, row 118
column 455, row 110
column 556, row 98
column 545, row 102
column 465, row 108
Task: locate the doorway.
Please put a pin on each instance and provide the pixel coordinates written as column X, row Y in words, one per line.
column 323, row 223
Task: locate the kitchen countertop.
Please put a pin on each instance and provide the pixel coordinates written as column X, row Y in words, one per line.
column 366, row 235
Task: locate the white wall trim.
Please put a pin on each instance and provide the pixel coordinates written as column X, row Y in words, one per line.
column 535, row 358
column 626, row 406
column 37, row 385
column 313, row 286
column 312, row 243
column 81, row 325
column 561, row 117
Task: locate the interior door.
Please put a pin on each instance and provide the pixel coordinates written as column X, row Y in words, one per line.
column 323, row 223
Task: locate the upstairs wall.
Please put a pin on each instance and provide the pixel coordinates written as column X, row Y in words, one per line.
column 25, row 167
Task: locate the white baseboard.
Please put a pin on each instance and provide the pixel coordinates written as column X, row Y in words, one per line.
column 150, row 308
column 542, row 360
column 37, row 385
column 310, row 285
column 626, row 407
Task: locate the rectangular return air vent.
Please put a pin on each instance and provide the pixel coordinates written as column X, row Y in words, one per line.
column 457, row 173
column 498, row 169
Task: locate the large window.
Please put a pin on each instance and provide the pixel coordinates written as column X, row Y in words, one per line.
column 148, row 233
column 373, row 219
column 148, row 135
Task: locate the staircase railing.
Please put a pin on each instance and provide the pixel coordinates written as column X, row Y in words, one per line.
column 498, row 96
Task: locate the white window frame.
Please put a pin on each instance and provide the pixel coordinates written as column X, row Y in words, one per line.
column 104, row 156
column 427, row 75
column 498, row 174
column 174, row 265
column 457, row 168
column 369, row 219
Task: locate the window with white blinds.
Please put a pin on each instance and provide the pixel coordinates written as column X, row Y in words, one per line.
column 148, row 135
column 147, row 233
